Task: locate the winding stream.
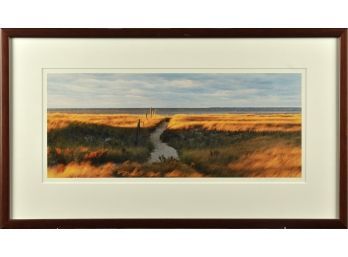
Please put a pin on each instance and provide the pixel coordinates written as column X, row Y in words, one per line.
column 161, row 148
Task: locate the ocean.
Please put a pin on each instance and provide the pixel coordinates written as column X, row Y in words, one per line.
column 172, row 111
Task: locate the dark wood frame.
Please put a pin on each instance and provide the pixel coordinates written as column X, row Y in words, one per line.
column 7, row 222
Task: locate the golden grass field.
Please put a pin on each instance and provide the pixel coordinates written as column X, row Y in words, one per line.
column 276, row 161
column 62, row 120
column 238, row 122
column 126, row 169
column 81, row 170
column 246, row 145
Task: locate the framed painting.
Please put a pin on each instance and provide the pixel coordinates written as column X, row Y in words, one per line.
column 174, row 128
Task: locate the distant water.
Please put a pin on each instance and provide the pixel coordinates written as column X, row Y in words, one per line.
column 172, row 111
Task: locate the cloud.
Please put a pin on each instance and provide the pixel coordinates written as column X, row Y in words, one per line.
column 115, row 90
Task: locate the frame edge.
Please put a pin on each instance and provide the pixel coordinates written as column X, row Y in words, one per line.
column 177, row 224
column 343, row 191
column 1, row 183
column 4, row 130
column 175, row 32
column 6, row 222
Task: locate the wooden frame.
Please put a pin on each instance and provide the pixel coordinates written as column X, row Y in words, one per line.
column 7, row 222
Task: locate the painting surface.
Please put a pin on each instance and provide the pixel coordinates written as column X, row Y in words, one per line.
column 106, row 125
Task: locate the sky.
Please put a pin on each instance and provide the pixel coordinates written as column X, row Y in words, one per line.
column 173, row 90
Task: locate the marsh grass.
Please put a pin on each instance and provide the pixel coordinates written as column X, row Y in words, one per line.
column 97, row 143
column 86, row 169
column 213, row 153
column 164, row 168
column 226, row 145
column 57, row 120
column 238, row 122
